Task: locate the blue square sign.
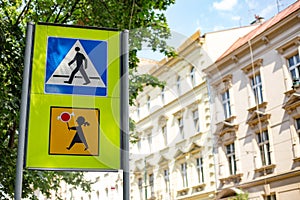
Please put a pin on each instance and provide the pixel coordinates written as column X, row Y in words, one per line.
column 76, row 67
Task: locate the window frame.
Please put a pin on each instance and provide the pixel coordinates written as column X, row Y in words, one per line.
column 178, row 84
column 196, row 120
column 225, row 96
column 271, row 196
column 193, row 76
column 162, row 95
column 164, row 132
column 184, row 175
column 167, row 180
column 231, row 158
column 180, row 126
column 263, row 142
column 149, row 140
column 297, row 127
column 148, row 102
column 296, row 66
column 151, row 183
column 139, row 144
column 257, row 88
column 200, row 169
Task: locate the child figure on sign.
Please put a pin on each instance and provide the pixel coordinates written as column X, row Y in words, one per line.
column 79, row 135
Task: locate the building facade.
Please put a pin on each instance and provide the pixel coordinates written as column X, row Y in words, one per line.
column 255, row 110
column 173, row 156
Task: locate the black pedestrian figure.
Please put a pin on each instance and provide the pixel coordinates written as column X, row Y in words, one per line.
column 79, row 58
column 79, row 136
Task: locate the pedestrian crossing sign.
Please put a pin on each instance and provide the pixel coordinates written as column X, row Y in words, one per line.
column 74, row 107
column 76, row 66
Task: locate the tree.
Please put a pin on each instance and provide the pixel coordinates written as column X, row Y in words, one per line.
column 147, row 24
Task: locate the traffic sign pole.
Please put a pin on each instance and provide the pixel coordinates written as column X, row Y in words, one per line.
column 23, row 113
column 125, row 114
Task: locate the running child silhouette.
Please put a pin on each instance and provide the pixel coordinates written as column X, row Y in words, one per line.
column 79, row 135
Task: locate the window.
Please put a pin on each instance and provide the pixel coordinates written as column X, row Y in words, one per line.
column 184, row 174
column 151, row 184
column 164, row 133
column 192, row 76
column 138, row 111
column 178, row 85
column 140, row 185
column 271, row 197
column 162, row 95
column 298, row 127
column 180, row 126
column 294, row 66
column 226, row 104
column 257, row 88
column 196, row 120
column 230, row 153
column 149, row 138
column 167, row 180
column 148, row 103
column 264, row 147
column 139, row 144
column 199, row 166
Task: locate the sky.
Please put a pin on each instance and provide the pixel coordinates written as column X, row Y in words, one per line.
column 185, row 17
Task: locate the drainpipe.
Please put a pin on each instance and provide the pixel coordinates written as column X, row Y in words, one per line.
column 213, row 138
column 145, row 178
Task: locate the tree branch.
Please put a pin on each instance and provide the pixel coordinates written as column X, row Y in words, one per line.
column 23, row 13
column 52, row 11
column 69, row 14
column 11, row 133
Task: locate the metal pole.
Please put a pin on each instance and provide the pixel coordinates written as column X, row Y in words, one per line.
column 23, row 112
column 125, row 113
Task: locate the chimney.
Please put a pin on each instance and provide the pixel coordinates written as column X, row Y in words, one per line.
column 258, row 20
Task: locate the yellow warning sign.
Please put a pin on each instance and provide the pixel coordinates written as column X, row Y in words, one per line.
column 74, row 131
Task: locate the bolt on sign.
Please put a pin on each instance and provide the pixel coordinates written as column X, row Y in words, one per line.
column 74, row 99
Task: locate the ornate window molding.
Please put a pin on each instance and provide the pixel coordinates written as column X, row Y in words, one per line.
column 235, row 178
column 258, row 117
column 163, row 161
column 223, row 84
column 162, row 120
column 292, row 103
column 256, row 65
column 179, row 113
column 194, row 105
column 183, row 192
column 292, row 107
column 228, row 128
column 291, row 44
column 265, row 170
column 198, row 188
column 261, row 106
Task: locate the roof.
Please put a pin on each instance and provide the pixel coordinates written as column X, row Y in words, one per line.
column 261, row 28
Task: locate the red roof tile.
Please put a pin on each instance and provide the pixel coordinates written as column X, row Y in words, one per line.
column 261, row 28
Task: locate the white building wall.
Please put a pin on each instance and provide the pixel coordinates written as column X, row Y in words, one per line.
column 273, row 47
column 178, row 104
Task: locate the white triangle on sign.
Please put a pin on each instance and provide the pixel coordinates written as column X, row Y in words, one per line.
column 63, row 71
